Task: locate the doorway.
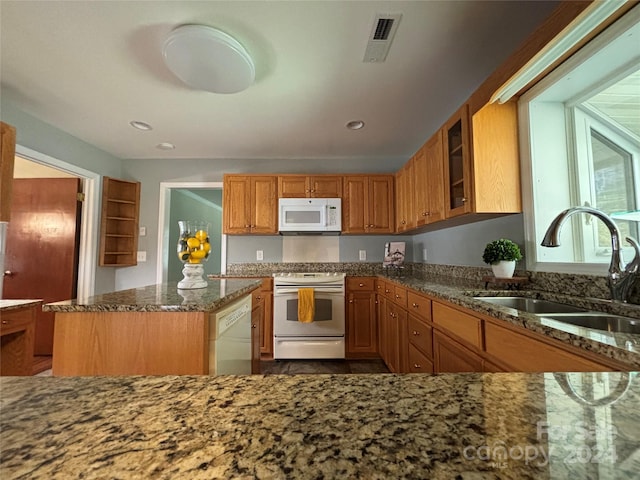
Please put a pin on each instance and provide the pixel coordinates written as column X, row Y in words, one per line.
column 185, row 201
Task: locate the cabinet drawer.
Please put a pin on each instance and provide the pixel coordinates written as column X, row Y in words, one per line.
column 400, row 295
column 525, row 354
column 418, row 363
column 16, row 320
column 360, row 283
column 420, row 335
column 419, row 305
column 462, row 325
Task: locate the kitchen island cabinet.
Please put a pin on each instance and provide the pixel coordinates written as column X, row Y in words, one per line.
column 154, row 330
column 321, row 426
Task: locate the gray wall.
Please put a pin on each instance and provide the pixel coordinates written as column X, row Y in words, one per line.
column 464, row 245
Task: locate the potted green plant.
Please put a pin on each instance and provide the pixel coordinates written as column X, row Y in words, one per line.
column 502, row 255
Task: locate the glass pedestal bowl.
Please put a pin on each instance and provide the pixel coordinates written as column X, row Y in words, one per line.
column 193, row 250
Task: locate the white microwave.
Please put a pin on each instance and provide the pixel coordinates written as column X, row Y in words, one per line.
column 308, row 216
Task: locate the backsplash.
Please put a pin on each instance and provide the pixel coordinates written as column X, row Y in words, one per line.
column 589, row 286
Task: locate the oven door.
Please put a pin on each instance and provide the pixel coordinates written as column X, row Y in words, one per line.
column 328, row 318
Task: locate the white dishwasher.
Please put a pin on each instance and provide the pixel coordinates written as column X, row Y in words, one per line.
column 230, row 339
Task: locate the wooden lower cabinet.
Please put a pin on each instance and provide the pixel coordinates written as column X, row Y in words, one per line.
column 17, row 333
column 451, row 357
column 265, row 295
column 419, row 362
column 522, row 353
column 361, row 323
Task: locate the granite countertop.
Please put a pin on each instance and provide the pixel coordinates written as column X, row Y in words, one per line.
column 622, row 347
column 14, row 304
column 373, row 426
column 164, row 297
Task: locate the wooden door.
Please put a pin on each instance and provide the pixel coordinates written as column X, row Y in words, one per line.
column 354, row 208
column 451, row 357
column 264, row 204
column 325, row 186
column 421, row 184
column 433, row 156
column 380, row 204
column 457, row 164
column 236, row 207
column 293, row 186
column 42, row 247
column 362, row 328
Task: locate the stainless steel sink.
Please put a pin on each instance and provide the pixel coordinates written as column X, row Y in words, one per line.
column 531, row 305
column 598, row 321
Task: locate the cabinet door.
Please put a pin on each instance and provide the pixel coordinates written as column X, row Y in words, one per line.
column 380, row 205
column 421, row 186
column 457, row 164
column 392, row 338
column 325, row 186
column 7, row 157
column 266, row 344
column 401, row 200
column 293, row 186
column 434, row 158
column 420, row 336
column 257, row 314
column 418, row 362
column 264, row 204
column 236, row 204
column 354, row 204
column 451, row 357
column 361, row 334
column 383, row 324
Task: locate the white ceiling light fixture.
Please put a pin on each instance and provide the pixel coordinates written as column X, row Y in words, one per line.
column 207, row 59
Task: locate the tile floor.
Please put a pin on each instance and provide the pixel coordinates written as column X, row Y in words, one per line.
column 293, row 367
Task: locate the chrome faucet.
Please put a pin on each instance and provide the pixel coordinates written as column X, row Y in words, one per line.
column 621, row 277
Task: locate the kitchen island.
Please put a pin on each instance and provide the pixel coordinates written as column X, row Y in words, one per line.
column 373, row 426
column 153, row 330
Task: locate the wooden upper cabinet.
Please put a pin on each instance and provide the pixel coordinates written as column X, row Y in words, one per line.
column 457, row 164
column 367, row 206
column 481, row 164
column 429, row 182
column 303, row 186
column 119, row 222
column 405, row 187
column 7, row 156
column 496, row 162
column 250, row 204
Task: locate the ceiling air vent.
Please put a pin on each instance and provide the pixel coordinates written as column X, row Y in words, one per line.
column 382, row 33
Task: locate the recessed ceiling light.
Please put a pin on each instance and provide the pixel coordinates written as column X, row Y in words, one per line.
column 165, row 146
column 140, row 125
column 355, row 124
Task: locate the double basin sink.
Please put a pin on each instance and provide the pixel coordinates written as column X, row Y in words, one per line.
column 568, row 314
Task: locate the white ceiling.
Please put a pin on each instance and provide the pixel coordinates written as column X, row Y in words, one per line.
column 90, row 67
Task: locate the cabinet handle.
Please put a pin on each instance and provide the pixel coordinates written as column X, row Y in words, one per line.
column 414, row 305
column 350, row 301
column 8, row 273
column 416, row 333
column 361, row 284
column 247, row 226
column 253, row 325
column 417, row 365
column 403, row 222
column 397, row 296
column 464, row 200
column 5, row 322
column 387, row 291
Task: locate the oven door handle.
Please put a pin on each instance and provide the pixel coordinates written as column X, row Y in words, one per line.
column 288, row 291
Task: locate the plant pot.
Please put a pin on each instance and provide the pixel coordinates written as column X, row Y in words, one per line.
column 504, row 268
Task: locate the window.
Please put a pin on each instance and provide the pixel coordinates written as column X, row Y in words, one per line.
column 581, row 146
